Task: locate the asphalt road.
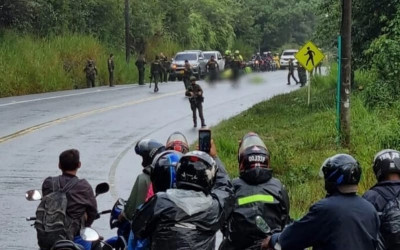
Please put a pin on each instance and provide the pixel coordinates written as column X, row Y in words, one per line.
column 103, row 123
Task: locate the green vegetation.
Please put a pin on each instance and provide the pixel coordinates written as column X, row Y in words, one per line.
column 300, row 138
column 45, row 43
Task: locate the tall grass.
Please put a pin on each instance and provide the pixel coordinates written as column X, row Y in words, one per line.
column 35, row 65
column 300, row 138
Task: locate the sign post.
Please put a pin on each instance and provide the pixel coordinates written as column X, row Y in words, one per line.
column 309, row 56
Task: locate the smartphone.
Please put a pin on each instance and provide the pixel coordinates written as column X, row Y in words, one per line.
column 205, row 140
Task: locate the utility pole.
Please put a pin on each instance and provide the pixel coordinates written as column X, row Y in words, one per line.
column 346, row 73
column 127, row 29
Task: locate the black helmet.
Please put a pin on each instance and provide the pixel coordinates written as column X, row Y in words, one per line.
column 341, row 173
column 164, row 170
column 385, row 162
column 148, row 149
column 177, row 141
column 253, row 157
column 196, row 170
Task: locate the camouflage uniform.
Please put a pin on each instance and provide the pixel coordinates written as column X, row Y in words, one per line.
column 195, row 94
column 140, row 63
column 188, row 72
column 212, row 67
column 110, row 64
column 91, row 72
column 291, row 72
column 156, row 70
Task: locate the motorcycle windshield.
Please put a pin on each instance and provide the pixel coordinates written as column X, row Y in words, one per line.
column 177, row 137
column 251, row 140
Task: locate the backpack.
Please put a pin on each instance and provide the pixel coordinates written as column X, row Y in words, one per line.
column 52, row 222
column 390, row 222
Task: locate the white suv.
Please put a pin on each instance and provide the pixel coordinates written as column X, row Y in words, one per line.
column 286, row 55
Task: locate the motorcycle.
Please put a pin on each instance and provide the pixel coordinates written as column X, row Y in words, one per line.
column 256, row 66
column 120, row 241
column 87, row 233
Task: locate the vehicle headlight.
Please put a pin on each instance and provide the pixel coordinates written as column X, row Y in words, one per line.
column 173, row 66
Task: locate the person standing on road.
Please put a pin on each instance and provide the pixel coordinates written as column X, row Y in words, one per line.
column 384, row 196
column 257, row 194
column 291, row 72
column 81, row 205
column 195, row 94
column 212, row 68
column 156, row 70
column 140, row 64
column 301, row 71
column 342, row 220
column 236, row 65
column 91, row 72
column 187, row 73
column 110, row 64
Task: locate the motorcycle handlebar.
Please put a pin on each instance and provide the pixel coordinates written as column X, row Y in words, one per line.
column 105, row 212
column 30, row 218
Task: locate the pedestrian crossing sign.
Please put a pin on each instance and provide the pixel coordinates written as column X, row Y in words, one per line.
column 309, row 56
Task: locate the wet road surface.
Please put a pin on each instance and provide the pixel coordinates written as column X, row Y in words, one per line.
column 103, row 123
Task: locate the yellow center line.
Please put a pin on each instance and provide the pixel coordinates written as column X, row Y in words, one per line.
column 81, row 115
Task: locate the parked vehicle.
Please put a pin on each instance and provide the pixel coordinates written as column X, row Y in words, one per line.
column 196, row 60
column 218, row 58
column 286, row 55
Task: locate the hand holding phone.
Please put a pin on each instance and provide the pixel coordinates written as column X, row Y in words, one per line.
column 205, row 140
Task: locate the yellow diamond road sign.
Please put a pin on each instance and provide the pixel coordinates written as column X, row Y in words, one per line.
column 309, row 56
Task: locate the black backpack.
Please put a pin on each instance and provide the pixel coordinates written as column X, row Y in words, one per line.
column 390, row 221
column 52, row 222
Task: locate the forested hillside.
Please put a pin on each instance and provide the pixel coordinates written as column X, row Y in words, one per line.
column 62, row 34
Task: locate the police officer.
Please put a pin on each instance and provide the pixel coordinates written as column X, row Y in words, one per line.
column 156, row 70
column 110, row 64
column 91, row 72
column 212, row 68
column 342, row 220
column 236, row 64
column 165, row 67
column 195, row 94
column 140, row 64
column 291, row 72
column 187, row 73
column 257, row 194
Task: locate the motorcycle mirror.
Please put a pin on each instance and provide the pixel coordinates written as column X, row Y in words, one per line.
column 33, row 195
column 102, row 188
column 262, row 225
column 89, row 234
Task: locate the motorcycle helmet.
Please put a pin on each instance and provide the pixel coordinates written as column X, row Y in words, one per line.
column 237, row 52
column 254, row 160
column 385, row 162
column 148, row 149
column 196, row 170
column 163, row 175
column 341, row 173
column 177, row 141
column 227, row 52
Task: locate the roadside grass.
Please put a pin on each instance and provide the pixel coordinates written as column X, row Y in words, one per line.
column 35, row 65
column 300, row 138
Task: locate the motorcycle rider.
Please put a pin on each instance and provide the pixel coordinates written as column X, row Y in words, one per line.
column 82, row 205
column 257, row 193
column 342, row 220
column 189, row 216
column 147, row 149
column 212, row 68
column 386, row 167
column 163, row 177
column 178, row 142
column 276, row 60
